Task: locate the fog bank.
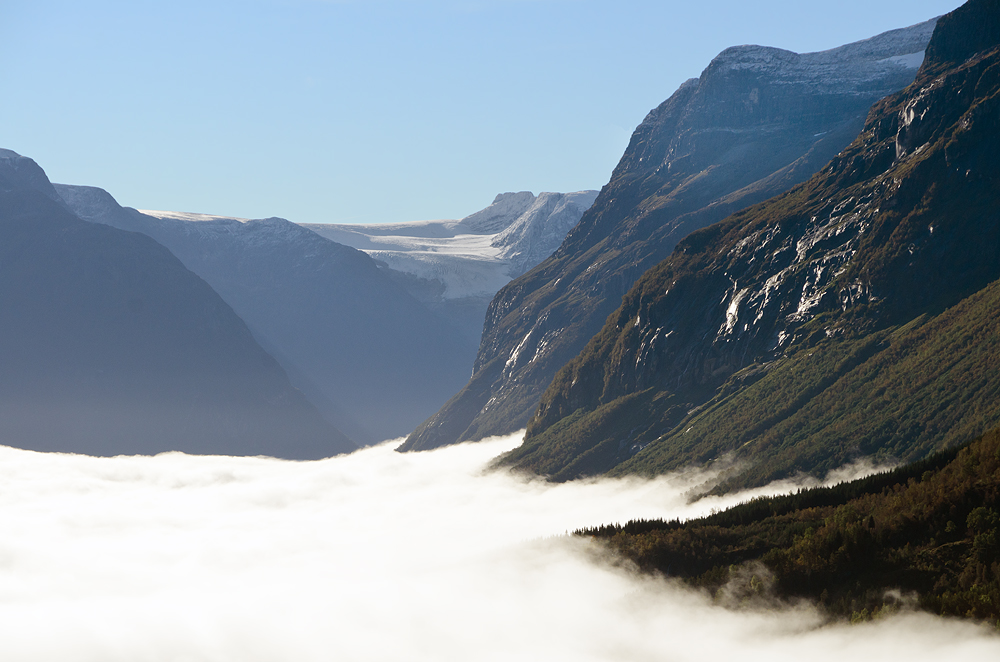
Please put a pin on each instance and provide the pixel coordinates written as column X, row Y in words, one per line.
column 373, row 556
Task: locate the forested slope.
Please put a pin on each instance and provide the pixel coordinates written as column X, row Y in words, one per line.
column 926, row 534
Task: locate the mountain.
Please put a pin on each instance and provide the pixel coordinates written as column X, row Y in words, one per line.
column 756, row 122
column 374, row 359
column 856, row 314
column 925, row 534
column 109, row 345
column 456, row 267
column 540, row 230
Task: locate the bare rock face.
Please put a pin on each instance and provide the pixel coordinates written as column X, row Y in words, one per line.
column 758, row 121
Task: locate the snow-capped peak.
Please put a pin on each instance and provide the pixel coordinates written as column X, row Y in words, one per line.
column 505, row 209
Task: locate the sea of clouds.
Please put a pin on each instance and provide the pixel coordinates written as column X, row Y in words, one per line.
column 376, row 555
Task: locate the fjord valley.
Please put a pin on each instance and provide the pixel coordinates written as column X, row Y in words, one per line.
column 376, row 345
column 741, row 402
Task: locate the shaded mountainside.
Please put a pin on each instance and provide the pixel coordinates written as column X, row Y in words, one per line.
column 758, row 121
column 856, row 314
column 110, row 346
column 374, row 360
column 859, row 549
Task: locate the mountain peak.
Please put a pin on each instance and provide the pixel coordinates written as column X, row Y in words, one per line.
column 536, row 233
column 972, row 28
column 750, row 56
column 756, row 122
column 854, row 66
column 783, row 333
column 506, row 209
column 19, row 172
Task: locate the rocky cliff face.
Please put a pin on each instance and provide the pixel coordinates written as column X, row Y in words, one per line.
column 373, row 359
column 853, row 315
column 758, row 121
column 110, row 346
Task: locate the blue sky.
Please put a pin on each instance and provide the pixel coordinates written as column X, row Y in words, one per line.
column 366, row 112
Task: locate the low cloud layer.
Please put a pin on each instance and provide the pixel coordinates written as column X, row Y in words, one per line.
column 373, row 556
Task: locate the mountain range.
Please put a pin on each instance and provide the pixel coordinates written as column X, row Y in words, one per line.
column 755, row 123
column 794, row 266
column 854, row 315
column 456, row 267
column 111, row 346
column 357, row 336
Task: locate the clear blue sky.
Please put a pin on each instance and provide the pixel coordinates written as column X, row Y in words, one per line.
column 368, row 111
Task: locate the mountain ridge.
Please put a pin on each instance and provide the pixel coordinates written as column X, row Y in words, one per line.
column 686, row 166
column 111, row 346
column 374, row 370
column 739, row 342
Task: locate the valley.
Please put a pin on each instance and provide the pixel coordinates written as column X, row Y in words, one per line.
column 742, row 401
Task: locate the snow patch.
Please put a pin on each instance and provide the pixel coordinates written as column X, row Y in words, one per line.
column 910, row 61
column 477, row 255
column 188, row 216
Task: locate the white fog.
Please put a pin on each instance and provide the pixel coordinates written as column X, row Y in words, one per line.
column 373, row 556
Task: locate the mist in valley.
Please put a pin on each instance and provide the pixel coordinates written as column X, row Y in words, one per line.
column 376, row 555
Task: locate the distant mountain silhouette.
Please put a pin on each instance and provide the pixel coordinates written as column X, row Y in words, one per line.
column 373, row 359
column 109, row 345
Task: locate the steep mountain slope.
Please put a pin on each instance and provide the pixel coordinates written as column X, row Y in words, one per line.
column 373, row 359
column 110, row 346
column 456, row 267
column 756, row 122
column 926, row 534
column 854, row 315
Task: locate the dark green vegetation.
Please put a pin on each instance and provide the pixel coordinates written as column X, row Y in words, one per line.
column 756, row 122
column 108, row 345
column 858, row 549
column 856, row 314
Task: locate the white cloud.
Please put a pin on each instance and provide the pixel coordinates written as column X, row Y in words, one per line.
column 373, row 556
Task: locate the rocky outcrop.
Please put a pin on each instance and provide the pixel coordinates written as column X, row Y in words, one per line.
column 758, row 121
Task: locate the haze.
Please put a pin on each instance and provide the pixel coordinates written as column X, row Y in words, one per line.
column 373, row 556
